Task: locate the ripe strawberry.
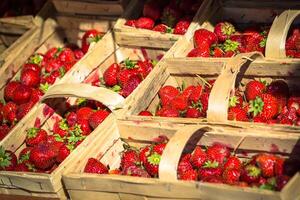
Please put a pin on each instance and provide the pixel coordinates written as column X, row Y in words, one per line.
column 202, row 51
column 190, row 175
column 24, row 167
column 110, row 75
column 193, row 113
column 152, row 9
column 144, row 67
column 84, row 127
column 66, row 55
column 130, row 22
column 125, row 75
column 196, row 94
column 204, row 102
column 182, row 26
column 21, row 94
column 145, row 113
column 84, row 113
column 30, row 78
column 162, row 28
column 255, row 42
column 218, row 152
column 89, row 37
column 167, row 112
column 212, row 179
column 23, row 109
column 218, row 52
column 198, row 157
column 31, row 66
column 203, row 37
column 210, row 169
column 294, row 102
column 231, row 176
column 9, row 89
column 134, row 170
column 95, row 166
column 36, row 94
column 184, row 165
column 61, row 128
column 279, row 166
column 64, row 152
column 266, row 163
column 167, row 93
column 145, row 23
column 129, row 158
column 237, row 114
column 114, row 171
column 24, row 155
column 229, row 54
column 188, row 91
column 170, row 15
column 8, row 160
column 55, row 141
column 43, row 156
column 71, row 119
column 35, row 136
column 152, row 163
column 250, row 174
column 9, row 111
column 53, row 52
column 209, row 86
column 78, row 53
column 144, row 153
column 159, row 148
column 4, row 129
column 224, row 30
column 53, row 64
column 266, row 106
column 130, row 85
column 253, row 89
column 233, row 163
column 97, row 118
column 179, row 103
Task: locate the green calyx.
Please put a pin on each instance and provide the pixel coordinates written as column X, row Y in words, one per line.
column 76, row 131
column 154, row 62
column 230, row 45
column 129, row 64
column 183, row 86
column 58, row 138
column 210, row 164
column 5, row 159
column 256, row 106
column 44, row 87
column 63, row 125
column 32, row 132
column 62, row 71
column 95, row 38
column 263, row 42
column 233, row 101
column 116, row 88
column 253, row 171
column 169, row 30
column 24, row 157
column 197, row 105
column 227, row 29
column 154, row 159
column 36, row 59
column 81, row 101
column 71, row 147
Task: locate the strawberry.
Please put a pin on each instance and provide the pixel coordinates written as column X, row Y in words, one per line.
column 66, row 55
column 89, row 37
column 134, row 170
column 53, row 64
column 210, row 169
column 231, row 176
column 255, row 42
column 167, row 112
column 212, row 179
column 61, row 128
column 182, row 26
column 53, row 52
column 198, row 157
column 291, row 53
column 145, row 113
column 114, row 171
column 78, row 53
column 170, row 15
column 9, row 90
column 145, row 23
column 31, row 66
column 237, row 114
column 4, row 129
column 36, row 94
column 152, row 163
column 209, row 86
column 203, row 37
column 144, row 153
column 24, row 167
column 23, row 109
column 63, row 152
column 266, row 106
column 129, row 158
column 253, row 89
column 162, row 28
column 84, row 127
column 193, row 113
column 110, row 75
column 202, row 51
column 236, row 100
column 55, row 141
column 9, row 111
column 167, row 93
column 35, row 59
column 224, row 30
column 8, row 160
column 24, row 155
column 190, row 175
column 179, row 103
column 196, row 94
column 294, row 102
column 21, row 94
column 71, row 118
column 279, row 166
column 130, row 22
column 230, row 48
column 159, row 148
column 152, row 9
column 130, row 85
column 125, row 75
column 43, row 156
column 97, row 118
column 218, row 52
column 218, row 152
column 229, row 54
column 84, row 113
column 250, row 174
column 233, row 163
column 30, row 78
column 187, row 92
column 204, row 102
column 266, row 162
column 184, row 165
column 144, row 67
column 95, row 166
column 35, row 136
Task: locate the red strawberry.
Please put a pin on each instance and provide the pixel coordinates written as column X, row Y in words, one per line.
column 84, row 126
column 218, row 152
column 36, row 94
column 129, row 158
column 43, row 156
column 21, row 94
column 84, row 113
column 144, row 67
column 212, row 179
column 190, row 175
column 203, row 37
column 61, row 128
column 290, row 53
column 187, row 92
column 233, row 163
column 9, row 111
column 8, row 160
column 167, row 112
column 255, row 42
column 23, row 109
column 53, row 52
column 179, row 103
column 170, row 15
column 71, row 118
column 159, row 148
column 145, row 113
column 35, row 136
column 114, row 171
column 266, row 106
column 145, row 23
column 30, row 78
column 130, row 22
column 55, row 141
column 9, row 90
column 198, row 157
column 24, row 155
column 231, row 175
column 24, row 167
column 152, row 163
column 63, row 153
column 162, row 28
column 204, row 102
column 294, row 102
column 209, row 169
column 36, row 59
column 152, row 9
column 31, row 66
column 209, row 85
column 4, row 129
column 97, row 118
column 196, row 94
column 224, row 30
column 53, row 64
column 125, row 75
column 130, row 86
column 250, row 174
column 95, row 166
column 110, row 75
column 144, row 153
column 202, row 51
column 89, row 37
column 193, row 113
column 229, row 54
column 266, row 162
column 279, row 166
column 254, row 89
column 78, row 53
column 184, row 165
column 237, row 114
column 230, row 48
column 66, row 55
column 134, row 170
column 182, row 26
column 218, row 52
column 167, row 93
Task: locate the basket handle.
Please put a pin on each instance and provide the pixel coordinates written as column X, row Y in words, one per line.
column 174, row 148
column 107, row 97
column 220, row 93
column 275, row 47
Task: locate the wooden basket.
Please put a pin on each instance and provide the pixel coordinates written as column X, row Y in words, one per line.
column 91, row 7
column 50, row 185
column 172, row 73
column 95, row 186
column 275, row 47
column 141, row 37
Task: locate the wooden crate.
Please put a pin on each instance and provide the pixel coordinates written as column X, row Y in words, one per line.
column 171, row 72
column 50, row 185
column 91, row 7
column 249, row 141
column 141, row 37
column 240, row 13
column 275, row 47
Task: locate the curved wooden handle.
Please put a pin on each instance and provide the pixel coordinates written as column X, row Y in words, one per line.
column 173, row 150
column 275, row 47
column 107, row 97
column 225, row 83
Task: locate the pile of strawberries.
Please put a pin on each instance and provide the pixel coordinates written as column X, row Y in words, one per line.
column 265, row 103
column 191, row 102
column 167, row 16
column 43, row 151
column 126, row 76
column 37, row 74
column 215, row 165
column 225, row 41
column 292, row 45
